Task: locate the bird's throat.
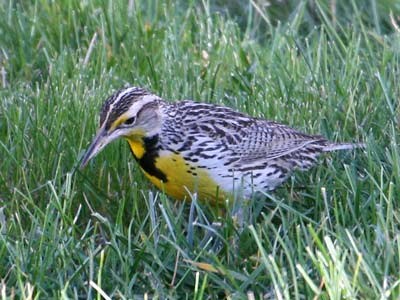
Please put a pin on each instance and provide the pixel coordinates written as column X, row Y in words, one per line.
column 146, row 151
column 137, row 146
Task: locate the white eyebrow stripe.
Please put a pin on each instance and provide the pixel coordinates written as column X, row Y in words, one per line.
column 134, row 109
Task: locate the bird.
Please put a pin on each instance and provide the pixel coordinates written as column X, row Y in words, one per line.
column 188, row 148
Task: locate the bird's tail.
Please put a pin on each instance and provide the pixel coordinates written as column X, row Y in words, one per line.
column 342, row 146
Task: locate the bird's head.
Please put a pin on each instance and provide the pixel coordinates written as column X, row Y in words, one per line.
column 133, row 113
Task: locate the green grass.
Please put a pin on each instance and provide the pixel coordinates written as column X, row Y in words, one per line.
column 320, row 66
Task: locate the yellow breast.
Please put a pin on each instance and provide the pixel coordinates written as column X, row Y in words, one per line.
column 183, row 178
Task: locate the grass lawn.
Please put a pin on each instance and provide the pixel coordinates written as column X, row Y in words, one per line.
column 323, row 66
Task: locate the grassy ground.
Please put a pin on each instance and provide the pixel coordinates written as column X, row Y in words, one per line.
column 320, row 66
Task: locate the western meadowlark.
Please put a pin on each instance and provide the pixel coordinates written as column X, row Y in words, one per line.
column 188, row 147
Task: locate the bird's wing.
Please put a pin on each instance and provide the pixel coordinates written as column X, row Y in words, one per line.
column 265, row 140
column 247, row 139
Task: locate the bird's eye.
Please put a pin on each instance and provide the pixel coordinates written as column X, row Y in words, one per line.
column 130, row 121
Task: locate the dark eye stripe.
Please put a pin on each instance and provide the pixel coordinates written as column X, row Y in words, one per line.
column 130, row 121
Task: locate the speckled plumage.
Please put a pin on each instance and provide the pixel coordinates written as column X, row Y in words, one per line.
column 236, row 151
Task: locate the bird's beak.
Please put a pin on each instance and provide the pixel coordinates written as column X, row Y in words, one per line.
column 102, row 139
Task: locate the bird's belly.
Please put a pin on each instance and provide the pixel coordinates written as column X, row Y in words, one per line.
column 184, row 179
